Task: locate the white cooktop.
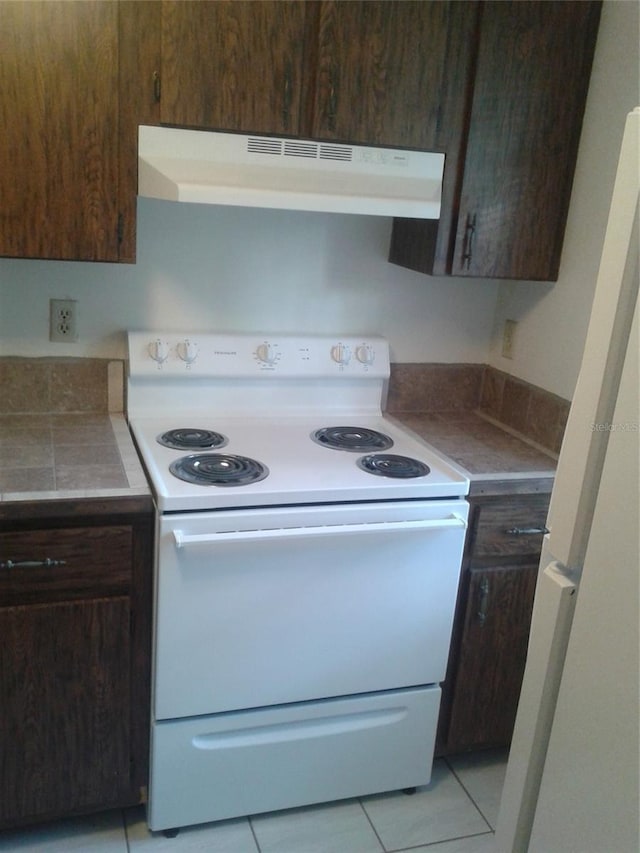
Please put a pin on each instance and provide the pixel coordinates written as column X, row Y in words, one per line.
column 267, row 395
column 300, row 470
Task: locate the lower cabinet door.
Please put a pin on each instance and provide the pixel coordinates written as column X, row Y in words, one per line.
column 64, row 707
column 492, row 656
column 246, row 762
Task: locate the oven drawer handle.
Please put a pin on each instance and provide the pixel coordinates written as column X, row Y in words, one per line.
column 183, row 539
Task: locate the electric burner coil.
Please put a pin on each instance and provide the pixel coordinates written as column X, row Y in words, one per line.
column 187, row 438
column 391, row 465
column 352, row 438
column 218, row 469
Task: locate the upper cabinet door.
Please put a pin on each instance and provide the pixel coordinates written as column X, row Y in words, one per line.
column 232, row 65
column 529, row 95
column 59, row 130
column 380, row 72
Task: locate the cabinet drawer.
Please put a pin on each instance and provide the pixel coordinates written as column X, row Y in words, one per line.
column 505, row 528
column 65, row 563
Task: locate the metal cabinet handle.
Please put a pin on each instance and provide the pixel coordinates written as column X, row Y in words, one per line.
column 483, row 606
column 48, row 563
column 525, row 531
column 467, row 244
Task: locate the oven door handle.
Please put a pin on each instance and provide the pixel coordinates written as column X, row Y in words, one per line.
column 183, row 539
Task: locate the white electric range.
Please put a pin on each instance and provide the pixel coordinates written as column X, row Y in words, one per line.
column 307, row 561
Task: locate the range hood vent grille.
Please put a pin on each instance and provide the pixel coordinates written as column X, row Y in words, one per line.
column 262, row 145
column 292, row 174
column 299, row 148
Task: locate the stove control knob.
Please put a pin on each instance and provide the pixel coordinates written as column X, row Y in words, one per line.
column 159, row 350
column 188, row 351
column 266, row 353
column 341, row 354
column 365, row 354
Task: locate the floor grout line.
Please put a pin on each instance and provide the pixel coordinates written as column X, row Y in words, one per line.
column 424, row 844
column 371, row 824
column 123, row 817
column 464, row 788
column 253, row 832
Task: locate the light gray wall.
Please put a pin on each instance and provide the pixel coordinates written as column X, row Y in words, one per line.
column 233, row 269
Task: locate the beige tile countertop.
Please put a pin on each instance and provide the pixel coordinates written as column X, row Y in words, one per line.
column 484, row 449
column 56, row 456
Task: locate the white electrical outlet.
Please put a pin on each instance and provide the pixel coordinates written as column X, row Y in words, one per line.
column 63, row 320
column 508, row 338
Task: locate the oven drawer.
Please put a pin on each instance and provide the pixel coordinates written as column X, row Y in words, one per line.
column 270, row 615
column 226, row 765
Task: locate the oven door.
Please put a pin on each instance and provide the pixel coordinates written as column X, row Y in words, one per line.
column 264, row 607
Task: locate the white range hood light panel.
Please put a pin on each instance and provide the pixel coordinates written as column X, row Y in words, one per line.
column 266, row 172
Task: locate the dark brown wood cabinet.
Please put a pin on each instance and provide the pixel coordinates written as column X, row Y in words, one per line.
column 371, row 72
column 76, row 79
column 74, row 657
column 489, row 646
column 59, row 139
column 232, row 65
column 499, row 87
column 527, row 96
column 379, row 73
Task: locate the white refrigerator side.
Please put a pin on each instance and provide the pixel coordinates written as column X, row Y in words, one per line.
column 581, row 494
column 589, row 794
column 582, row 455
column 550, row 628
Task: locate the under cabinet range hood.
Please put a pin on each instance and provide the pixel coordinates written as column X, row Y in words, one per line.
column 292, row 174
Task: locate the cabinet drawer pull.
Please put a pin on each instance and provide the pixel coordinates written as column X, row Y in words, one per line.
column 48, row 563
column 525, row 531
column 484, row 601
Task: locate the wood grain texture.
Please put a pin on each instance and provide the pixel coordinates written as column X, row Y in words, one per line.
column 530, row 89
column 527, row 85
column 97, row 561
column 492, row 657
column 16, row 515
column 487, row 657
column 75, row 652
column 428, row 245
column 232, row 65
column 139, row 49
column 490, row 535
column 65, row 682
column 59, row 140
column 381, row 72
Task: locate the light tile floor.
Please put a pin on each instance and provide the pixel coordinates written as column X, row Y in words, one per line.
column 455, row 813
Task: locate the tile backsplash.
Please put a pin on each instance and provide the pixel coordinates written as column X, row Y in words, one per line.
column 534, row 413
column 60, row 385
column 434, row 387
column 94, row 386
column 538, row 414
